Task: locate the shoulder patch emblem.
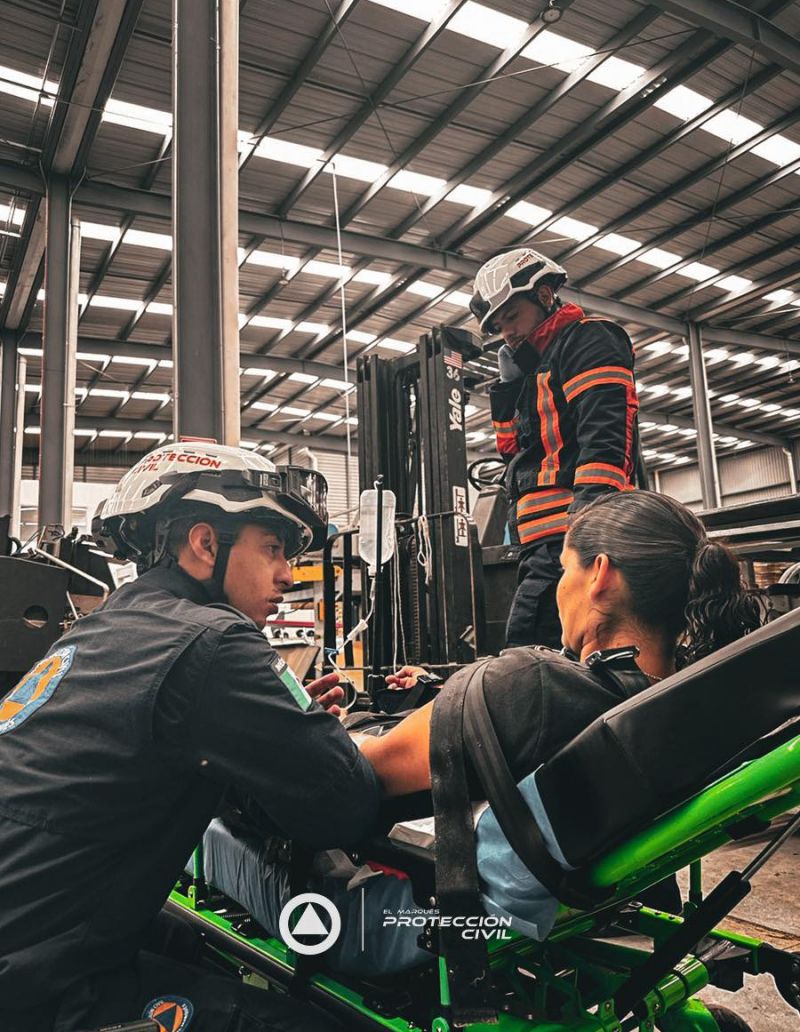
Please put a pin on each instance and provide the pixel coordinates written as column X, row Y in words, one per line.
column 36, row 687
column 286, row 675
column 170, row 1013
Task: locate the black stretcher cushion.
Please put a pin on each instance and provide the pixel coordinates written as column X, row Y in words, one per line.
column 656, row 750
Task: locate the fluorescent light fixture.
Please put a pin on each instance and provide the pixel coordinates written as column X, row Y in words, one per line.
column 733, row 284
column 136, row 116
column 548, row 48
column 265, row 374
column 573, row 228
column 142, row 238
column 683, row 103
column 616, row 74
column 312, row 327
column 292, row 410
column 149, row 435
column 524, row 211
column 117, row 434
column 425, row 289
column 488, row 25
column 416, row 182
column 336, row 385
column 355, row 168
column 264, row 406
column 697, row 271
column 303, row 378
column 617, row 244
column 28, row 87
column 661, row 259
column 277, row 149
column 471, row 196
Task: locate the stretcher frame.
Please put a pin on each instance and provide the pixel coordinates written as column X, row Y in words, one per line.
column 573, row 982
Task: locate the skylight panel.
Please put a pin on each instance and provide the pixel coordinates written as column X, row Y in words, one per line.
column 529, row 213
column 425, row 289
column 326, row 417
column 271, row 260
column 355, row 168
column 778, row 150
column 471, row 196
column 683, row 103
column 265, row 374
column 373, row 277
column 733, row 284
column 731, row 128
column 85, row 433
column 616, row 74
column 422, row 9
column 661, row 259
column 459, row 298
column 159, row 308
column 548, row 48
column 149, row 435
column 771, row 407
column 95, row 231
column 151, row 396
column 29, row 87
column 83, row 356
column 133, row 360
column 135, row 116
column 659, row 347
column 779, row 297
column 336, row 385
column 395, row 345
column 12, row 214
column 573, row 228
column 292, row 410
column 122, row 304
column 360, row 337
column 269, row 322
column 697, row 271
column 264, row 406
column 488, row 25
column 303, row 378
column 327, row 269
column 142, row 238
column 416, row 182
column 617, row 244
column 277, row 149
column 311, row 327
column 108, row 392
column 743, row 358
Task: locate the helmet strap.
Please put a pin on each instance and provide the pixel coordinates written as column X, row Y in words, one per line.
column 225, row 540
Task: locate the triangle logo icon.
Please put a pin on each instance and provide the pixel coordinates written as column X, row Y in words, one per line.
column 310, row 923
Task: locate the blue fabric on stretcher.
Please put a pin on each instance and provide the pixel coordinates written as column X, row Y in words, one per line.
column 238, row 867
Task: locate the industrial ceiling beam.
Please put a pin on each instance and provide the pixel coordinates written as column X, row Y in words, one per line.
column 735, row 22
column 94, row 56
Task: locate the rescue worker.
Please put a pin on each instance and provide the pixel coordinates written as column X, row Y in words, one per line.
column 117, row 748
column 564, row 415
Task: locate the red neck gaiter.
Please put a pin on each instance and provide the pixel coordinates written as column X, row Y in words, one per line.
column 547, row 331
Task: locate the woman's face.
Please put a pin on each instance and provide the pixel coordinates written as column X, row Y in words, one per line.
column 573, row 598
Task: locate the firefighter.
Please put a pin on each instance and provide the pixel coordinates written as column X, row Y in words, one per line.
column 564, row 415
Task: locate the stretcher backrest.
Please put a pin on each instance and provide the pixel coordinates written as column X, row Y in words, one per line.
column 656, row 750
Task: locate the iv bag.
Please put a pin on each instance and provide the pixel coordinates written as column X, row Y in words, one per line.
column 368, row 526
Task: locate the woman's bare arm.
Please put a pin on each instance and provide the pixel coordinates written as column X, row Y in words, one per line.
column 401, row 757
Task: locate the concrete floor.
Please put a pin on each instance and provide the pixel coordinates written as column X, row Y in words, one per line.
column 771, row 912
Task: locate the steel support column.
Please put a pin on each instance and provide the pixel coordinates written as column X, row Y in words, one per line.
column 206, row 348
column 794, row 463
column 706, row 454
column 12, row 388
column 58, row 360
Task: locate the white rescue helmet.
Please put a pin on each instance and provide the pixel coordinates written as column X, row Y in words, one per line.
column 212, row 479
column 514, row 272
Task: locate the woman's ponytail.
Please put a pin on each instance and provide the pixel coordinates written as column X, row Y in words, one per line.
column 719, row 609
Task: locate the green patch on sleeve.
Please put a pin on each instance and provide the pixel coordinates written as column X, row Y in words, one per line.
column 288, row 679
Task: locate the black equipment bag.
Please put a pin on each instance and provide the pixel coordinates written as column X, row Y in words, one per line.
column 653, row 752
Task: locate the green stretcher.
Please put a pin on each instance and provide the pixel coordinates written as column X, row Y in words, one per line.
column 587, row 976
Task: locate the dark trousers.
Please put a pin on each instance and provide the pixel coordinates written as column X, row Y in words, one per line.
column 180, row 995
column 533, row 619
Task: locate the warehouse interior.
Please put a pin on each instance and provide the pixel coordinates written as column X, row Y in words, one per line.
column 259, row 223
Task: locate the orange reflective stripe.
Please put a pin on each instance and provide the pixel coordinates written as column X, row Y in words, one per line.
column 541, row 501
column 594, row 377
column 549, row 430
column 601, row 473
column 510, row 424
column 545, row 526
